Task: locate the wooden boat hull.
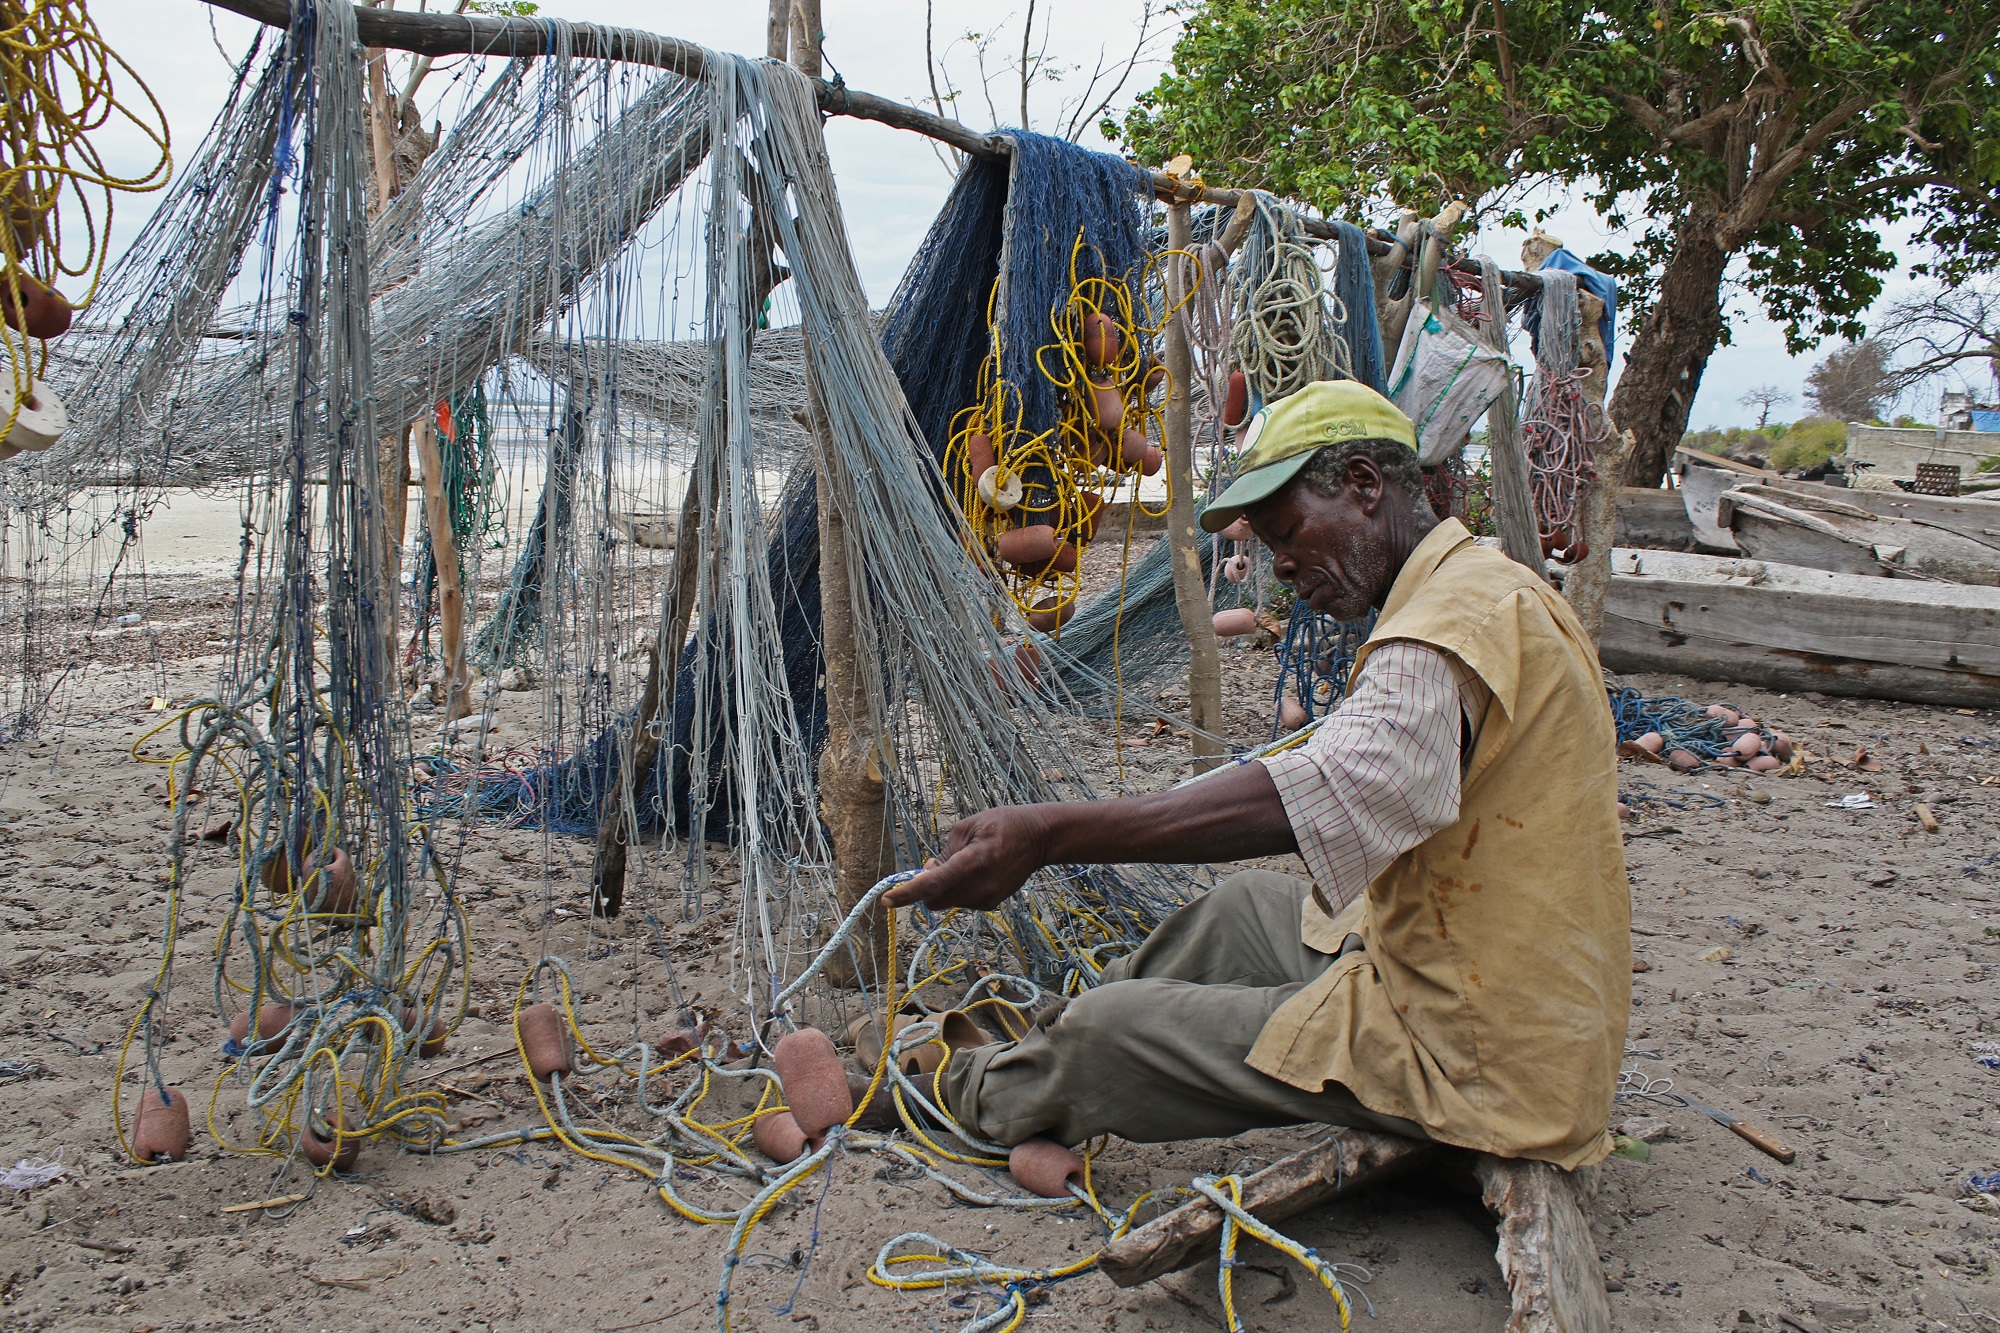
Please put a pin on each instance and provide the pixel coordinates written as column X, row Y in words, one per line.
column 1791, row 526
column 1786, row 628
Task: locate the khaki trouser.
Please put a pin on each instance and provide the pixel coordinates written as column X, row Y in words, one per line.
column 1156, row 1052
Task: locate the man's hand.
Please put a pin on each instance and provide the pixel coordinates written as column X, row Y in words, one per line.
column 987, row 858
column 1225, row 817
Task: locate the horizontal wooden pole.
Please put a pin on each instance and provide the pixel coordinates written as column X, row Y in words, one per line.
column 467, row 34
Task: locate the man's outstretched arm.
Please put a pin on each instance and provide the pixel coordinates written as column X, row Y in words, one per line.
column 1226, row 817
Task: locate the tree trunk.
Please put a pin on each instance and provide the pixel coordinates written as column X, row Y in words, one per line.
column 1664, row 366
column 1204, row 681
column 1589, row 582
column 851, row 797
column 778, row 31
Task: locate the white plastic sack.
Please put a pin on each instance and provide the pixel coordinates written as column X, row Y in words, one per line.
column 1444, row 379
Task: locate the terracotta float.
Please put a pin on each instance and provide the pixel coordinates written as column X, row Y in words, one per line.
column 815, row 1084
column 545, row 1040
column 160, row 1129
column 1045, row 1168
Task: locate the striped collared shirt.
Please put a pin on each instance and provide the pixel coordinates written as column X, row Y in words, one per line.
column 1382, row 772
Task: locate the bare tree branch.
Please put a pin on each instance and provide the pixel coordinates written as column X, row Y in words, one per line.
column 1027, row 39
column 1081, row 121
column 956, row 162
column 1937, row 329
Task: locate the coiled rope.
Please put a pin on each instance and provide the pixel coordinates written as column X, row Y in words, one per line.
column 58, row 75
column 1280, row 339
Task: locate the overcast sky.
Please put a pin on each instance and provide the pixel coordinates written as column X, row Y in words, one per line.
column 891, row 182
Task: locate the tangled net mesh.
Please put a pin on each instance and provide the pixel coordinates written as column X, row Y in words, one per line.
column 576, row 293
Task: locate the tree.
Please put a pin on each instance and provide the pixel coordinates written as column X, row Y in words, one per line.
column 1029, row 68
column 398, row 146
column 1943, row 331
column 398, row 143
column 1852, row 383
column 1764, row 397
column 1774, row 136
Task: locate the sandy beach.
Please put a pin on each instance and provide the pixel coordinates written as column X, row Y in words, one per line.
column 1826, row 972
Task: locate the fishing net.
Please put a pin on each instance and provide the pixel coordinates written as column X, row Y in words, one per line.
column 573, row 296
column 1560, row 428
column 616, row 299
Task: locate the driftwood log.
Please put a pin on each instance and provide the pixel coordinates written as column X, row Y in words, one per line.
column 1831, row 532
column 1706, row 478
column 1653, row 519
column 1190, row 1233
column 1555, row 1281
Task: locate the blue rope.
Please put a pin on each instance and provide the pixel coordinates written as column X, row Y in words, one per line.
column 1684, row 725
column 1318, row 654
column 1354, row 287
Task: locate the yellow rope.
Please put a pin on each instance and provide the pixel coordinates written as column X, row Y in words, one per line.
column 1073, row 454
column 57, row 72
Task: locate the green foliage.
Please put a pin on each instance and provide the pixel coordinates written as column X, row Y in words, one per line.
column 1809, row 443
column 505, row 9
column 1741, row 441
column 1861, row 114
column 1799, row 444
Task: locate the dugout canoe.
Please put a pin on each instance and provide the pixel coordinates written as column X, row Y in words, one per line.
column 1705, row 480
column 1785, row 628
column 1792, row 526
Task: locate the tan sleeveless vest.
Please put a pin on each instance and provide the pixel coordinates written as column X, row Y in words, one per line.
column 1490, row 1003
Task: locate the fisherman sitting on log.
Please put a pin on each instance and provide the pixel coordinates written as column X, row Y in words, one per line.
column 1458, row 968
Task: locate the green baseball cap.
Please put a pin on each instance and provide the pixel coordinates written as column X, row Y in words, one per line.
column 1283, row 437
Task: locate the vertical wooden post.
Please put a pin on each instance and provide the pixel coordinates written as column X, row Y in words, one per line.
column 393, row 454
column 444, row 555
column 806, row 35
column 393, row 464
column 850, row 785
column 381, row 146
column 1204, row 684
column 778, row 31
column 1513, row 501
column 850, row 795
column 1589, row 579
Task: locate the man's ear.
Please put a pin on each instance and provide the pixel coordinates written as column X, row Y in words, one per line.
column 1365, row 479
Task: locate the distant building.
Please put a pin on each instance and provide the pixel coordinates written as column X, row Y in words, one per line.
column 1957, row 411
